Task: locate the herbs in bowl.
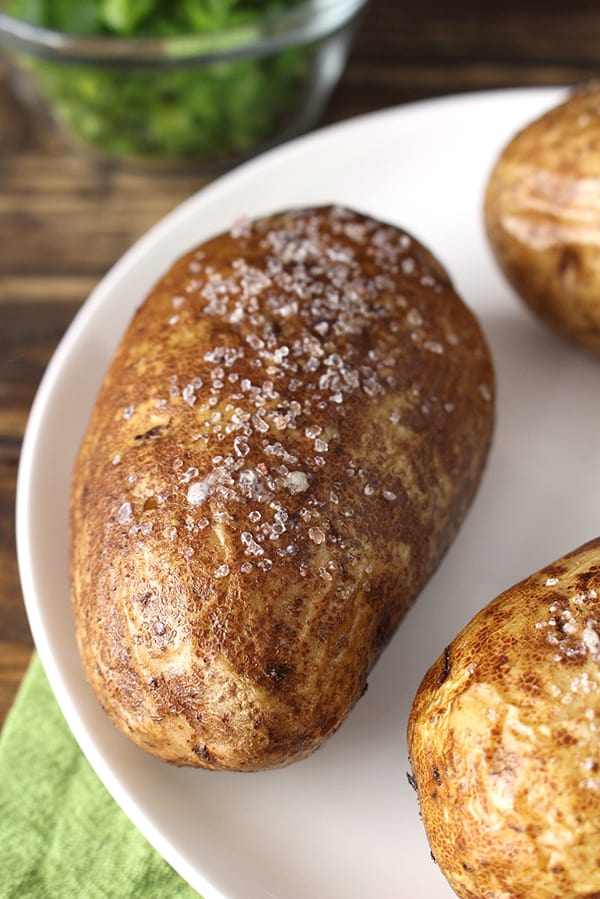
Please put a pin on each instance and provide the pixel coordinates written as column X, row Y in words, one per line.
column 208, row 82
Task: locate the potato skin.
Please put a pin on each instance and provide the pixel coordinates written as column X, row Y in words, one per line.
column 285, row 444
column 504, row 741
column 542, row 216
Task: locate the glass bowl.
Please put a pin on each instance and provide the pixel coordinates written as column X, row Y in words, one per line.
column 203, row 100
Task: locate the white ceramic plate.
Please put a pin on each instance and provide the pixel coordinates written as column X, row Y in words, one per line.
column 343, row 823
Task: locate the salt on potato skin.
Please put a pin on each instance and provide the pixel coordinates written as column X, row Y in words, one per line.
column 306, row 439
column 504, row 741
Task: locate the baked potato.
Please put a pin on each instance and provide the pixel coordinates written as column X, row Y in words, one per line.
column 542, row 216
column 504, row 741
column 284, row 446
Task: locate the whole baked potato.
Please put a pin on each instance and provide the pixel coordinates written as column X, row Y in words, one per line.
column 504, row 741
column 542, row 215
column 285, row 444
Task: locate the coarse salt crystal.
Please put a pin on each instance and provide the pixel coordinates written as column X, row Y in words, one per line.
column 316, row 535
column 197, row 493
column 124, row 513
column 591, row 641
column 240, row 447
column 188, row 394
column 296, row 482
column 222, row 571
column 251, row 545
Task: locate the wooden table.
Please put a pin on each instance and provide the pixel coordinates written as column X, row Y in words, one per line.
column 64, row 222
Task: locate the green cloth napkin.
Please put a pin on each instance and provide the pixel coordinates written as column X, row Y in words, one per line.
column 61, row 833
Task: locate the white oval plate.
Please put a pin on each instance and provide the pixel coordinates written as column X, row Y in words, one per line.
column 345, row 822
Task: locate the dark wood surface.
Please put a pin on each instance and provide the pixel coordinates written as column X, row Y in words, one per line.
column 63, row 222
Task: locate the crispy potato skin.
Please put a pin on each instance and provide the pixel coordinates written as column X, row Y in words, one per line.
column 542, row 216
column 504, row 741
column 285, row 444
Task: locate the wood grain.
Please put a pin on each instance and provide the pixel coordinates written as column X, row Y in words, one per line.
column 64, row 221
column 14, row 658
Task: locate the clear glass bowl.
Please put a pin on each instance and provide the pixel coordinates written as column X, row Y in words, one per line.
column 206, row 100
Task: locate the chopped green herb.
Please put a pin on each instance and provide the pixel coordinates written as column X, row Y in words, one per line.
column 206, row 112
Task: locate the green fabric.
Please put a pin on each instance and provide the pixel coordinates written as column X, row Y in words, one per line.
column 61, row 833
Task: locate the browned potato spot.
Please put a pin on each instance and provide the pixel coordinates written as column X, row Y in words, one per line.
column 285, row 444
column 504, row 741
column 542, row 215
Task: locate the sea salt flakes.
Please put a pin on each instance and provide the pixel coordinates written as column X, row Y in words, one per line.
column 240, row 447
column 591, row 640
column 313, row 431
column 124, row 513
column 296, row 482
column 321, row 281
column 252, row 547
column 197, row 493
column 189, row 395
